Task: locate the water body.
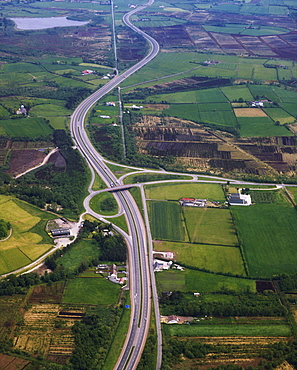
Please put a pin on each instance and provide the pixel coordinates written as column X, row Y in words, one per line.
column 25, row 24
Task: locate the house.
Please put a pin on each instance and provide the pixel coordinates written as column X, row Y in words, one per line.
column 172, row 319
column 160, row 265
column 21, row 110
column 257, row 104
column 87, row 72
column 238, row 199
column 110, row 104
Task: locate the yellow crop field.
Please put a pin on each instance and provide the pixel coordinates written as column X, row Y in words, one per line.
column 28, row 239
column 249, row 112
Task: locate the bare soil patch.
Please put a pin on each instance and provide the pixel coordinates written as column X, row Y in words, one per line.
column 22, row 160
column 12, row 363
column 249, row 112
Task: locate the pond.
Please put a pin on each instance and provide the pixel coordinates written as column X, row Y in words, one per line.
column 44, row 23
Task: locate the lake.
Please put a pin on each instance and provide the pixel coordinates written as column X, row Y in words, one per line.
column 43, row 23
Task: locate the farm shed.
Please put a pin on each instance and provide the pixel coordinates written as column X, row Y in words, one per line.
column 237, row 199
column 60, row 232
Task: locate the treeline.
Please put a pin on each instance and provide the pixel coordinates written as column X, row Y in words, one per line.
column 247, row 304
column 72, row 95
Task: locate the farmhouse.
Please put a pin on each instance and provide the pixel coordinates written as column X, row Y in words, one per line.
column 87, row 72
column 172, row 319
column 161, row 265
column 22, row 110
column 257, row 104
column 238, row 199
column 191, row 202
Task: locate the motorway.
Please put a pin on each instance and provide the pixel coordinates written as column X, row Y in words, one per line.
column 139, row 278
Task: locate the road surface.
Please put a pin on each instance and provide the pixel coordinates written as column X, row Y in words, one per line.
column 139, row 278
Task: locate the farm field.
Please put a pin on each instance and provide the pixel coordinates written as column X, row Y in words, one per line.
column 228, row 330
column 198, row 281
column 93, row 291
column 28, row 240
column 216, row 258
column 167, row 221
column 25, row 127
column 190, row 190
column 210, row 226
column 268, row 250
column 260, row 127
column 278, row 114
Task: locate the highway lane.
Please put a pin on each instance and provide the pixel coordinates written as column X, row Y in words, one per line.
column 139, row 278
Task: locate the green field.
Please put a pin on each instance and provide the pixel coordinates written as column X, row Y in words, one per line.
column 94, row 291
column 49, row 110
column 221, row 118
column 234, row 93
column 167, row 221
column 25, row 127
column 148, row 177
column 213, row 95
column 190, row 190
column 214, row 258
column 97, row 200
column 278, row 114
column 261, row 126
column 184, row 111
column 243, row 29
column 210, row 226
column 198, row 281
column 85, row 250
column 28, row 240
column 291, row 108
column 251, row 330
column 269, row 234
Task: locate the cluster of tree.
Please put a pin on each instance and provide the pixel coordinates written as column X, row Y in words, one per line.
column 288, row 283
column 92, row 338
column 248, row 304
column 174, row 350
column 4, row 228
column 112, row 247
column 18, row 284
